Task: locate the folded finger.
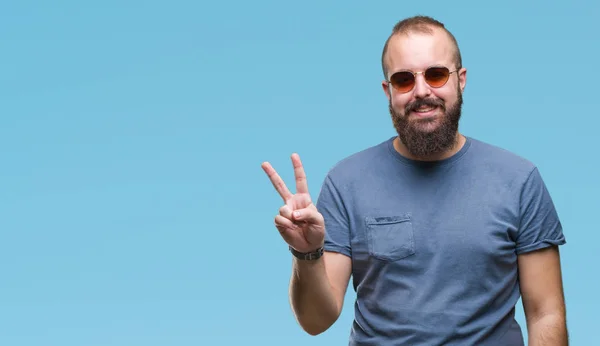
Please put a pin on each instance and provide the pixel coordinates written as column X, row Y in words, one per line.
column 286, row 212
column 288, row 230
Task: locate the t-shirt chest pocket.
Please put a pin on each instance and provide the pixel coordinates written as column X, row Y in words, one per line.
column 390, row 238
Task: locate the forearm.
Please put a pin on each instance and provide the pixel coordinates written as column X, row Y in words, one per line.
column 549, row 330
column 311, row 296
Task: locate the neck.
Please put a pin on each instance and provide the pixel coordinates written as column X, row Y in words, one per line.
column 459, row 141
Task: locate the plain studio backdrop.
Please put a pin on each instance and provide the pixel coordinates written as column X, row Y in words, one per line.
column 133, row 209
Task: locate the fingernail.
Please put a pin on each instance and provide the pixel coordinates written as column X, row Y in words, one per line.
column 296, row 213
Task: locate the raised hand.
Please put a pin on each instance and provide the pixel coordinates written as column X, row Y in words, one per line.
column 298, row 222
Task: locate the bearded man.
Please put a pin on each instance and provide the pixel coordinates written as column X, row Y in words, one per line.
column 442, row 233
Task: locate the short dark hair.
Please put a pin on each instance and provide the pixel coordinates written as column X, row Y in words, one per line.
column 420, row 24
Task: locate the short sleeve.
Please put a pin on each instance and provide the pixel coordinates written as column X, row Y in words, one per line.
column 540, row 225
column 331, row 206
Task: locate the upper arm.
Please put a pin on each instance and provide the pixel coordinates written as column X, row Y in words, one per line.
column 338, row 249
column 541, row 283
column 339, row 269
column 539, row 237
column 539, row 224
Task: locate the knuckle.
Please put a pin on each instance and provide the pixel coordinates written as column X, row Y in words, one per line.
column 284, row 210
column 280, row 185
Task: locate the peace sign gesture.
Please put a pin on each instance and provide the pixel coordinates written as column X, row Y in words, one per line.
column 299, row 222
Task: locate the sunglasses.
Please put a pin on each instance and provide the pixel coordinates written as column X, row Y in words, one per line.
column 404, row 81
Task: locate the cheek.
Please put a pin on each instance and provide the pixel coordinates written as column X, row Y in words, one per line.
column 399, row 102
column 448, row 95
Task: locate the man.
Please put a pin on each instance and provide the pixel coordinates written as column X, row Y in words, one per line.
column 441, row 233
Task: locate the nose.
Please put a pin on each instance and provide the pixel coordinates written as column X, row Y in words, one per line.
column 422, row 89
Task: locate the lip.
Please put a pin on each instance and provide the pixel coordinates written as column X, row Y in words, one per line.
column 425, row 114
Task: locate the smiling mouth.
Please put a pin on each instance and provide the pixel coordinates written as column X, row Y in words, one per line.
column 425, row 111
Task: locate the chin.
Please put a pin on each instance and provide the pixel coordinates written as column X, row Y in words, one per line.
column 426, row 127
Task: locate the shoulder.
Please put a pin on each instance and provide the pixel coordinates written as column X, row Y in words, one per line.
column 356, row 165
column 498, row 161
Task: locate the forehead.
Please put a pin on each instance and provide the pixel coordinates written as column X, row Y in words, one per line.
column 417, row 51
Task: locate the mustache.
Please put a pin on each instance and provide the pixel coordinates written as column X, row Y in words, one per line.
column 425, row 102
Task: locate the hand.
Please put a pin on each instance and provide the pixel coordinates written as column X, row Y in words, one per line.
column 299, row 222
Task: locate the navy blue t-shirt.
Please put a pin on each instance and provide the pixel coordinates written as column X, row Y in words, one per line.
column 434, row 245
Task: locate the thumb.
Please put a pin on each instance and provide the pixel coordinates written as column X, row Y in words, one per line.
column 310, row 215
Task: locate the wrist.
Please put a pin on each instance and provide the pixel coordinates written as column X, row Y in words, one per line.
column 308, row 256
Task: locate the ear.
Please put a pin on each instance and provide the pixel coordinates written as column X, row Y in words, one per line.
column 386, row 89
column 462, row 78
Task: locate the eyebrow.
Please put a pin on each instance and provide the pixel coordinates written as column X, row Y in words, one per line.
column 410, row 70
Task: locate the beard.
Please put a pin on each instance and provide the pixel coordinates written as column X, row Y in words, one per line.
column 420, row 141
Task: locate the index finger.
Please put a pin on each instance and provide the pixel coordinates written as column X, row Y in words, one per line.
column 301, row 184
column 277, row 182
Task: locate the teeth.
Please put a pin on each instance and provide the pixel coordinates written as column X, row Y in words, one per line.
column 423, row 110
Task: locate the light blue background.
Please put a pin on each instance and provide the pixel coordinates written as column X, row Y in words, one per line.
column 133, row 209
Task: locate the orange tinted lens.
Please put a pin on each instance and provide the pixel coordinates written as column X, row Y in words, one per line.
column 403, row 81
column 437, row 76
